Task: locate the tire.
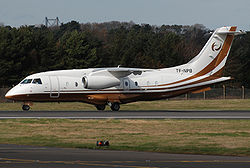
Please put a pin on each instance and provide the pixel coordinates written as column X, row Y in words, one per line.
column 100, row 107
column 115, row 107
column 26, row 107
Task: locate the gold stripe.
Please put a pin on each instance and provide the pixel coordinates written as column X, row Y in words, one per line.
column 233, row 28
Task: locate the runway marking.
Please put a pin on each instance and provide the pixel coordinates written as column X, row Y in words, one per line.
column 137, row 117
column 206, row 161
column 85, row 163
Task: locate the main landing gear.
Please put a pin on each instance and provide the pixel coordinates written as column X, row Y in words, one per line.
column 114, row 106
column 26, row 107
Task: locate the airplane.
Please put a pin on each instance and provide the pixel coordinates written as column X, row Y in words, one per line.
column 119, row 85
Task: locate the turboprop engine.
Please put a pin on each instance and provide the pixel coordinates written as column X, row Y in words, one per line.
column 99, row 82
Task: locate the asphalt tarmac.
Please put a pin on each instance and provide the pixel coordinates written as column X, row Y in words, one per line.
column 16, row 156
column 157, row 114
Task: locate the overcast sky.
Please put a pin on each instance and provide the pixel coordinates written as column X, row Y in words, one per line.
column 211, row 13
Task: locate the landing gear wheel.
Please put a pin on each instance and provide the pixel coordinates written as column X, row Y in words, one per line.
column 100, row 107
column 26, row 107
column 115, row 106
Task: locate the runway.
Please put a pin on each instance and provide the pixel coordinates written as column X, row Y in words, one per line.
column 159, row 114
column 30, row 156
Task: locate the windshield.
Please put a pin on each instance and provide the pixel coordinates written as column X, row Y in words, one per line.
column 26, row 81
column 37, row 81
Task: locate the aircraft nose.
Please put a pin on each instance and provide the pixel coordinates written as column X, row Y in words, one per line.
column 16, row 93
column 9, row 94
column 13, row 93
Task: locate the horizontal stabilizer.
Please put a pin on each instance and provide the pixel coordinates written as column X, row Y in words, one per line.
column 231, row 32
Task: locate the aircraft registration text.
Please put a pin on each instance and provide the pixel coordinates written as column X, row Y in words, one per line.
column 184, row 70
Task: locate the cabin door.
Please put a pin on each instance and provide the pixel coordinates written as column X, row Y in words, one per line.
column 54, row 87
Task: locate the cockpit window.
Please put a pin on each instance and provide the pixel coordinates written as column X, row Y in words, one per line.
column 26, row 81
column 37, row 81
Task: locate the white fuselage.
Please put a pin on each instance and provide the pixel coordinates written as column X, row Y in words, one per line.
column 66, row 85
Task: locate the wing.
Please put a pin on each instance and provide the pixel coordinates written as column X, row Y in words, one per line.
column 118, row 72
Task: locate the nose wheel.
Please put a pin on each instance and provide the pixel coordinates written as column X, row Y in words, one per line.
column 26, row 107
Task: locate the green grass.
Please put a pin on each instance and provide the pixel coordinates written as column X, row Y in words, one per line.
column 228, row 104
column 217, row 137
column 235, row 134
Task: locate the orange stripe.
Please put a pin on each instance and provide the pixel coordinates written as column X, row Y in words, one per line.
column 233, row 28
column 224, row 53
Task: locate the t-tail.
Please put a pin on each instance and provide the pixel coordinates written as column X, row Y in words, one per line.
column 212, row 58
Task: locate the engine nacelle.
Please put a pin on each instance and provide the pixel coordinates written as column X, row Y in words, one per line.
column 99, row 82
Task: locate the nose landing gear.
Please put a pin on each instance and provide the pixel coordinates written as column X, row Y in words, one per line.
column 26, row 107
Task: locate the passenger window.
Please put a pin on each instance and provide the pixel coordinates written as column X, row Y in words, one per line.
column 26, row 81
column 76, row 84
column 37, row 81
column 136, row 83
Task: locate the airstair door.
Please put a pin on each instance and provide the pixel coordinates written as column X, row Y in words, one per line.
column 54, row 87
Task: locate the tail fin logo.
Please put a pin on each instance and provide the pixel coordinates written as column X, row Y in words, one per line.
column 215, row 47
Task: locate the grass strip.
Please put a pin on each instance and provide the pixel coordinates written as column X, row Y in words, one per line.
column 194, row 136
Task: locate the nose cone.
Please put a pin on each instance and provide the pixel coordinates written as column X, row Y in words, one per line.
column 14, row 93
column 18, row 93
column 10, row 94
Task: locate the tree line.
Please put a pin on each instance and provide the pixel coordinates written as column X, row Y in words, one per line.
column 31, row 49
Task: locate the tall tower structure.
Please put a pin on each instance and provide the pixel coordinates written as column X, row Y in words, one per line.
column 51, row 22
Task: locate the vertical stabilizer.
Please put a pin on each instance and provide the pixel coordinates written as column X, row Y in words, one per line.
column 213, row 56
